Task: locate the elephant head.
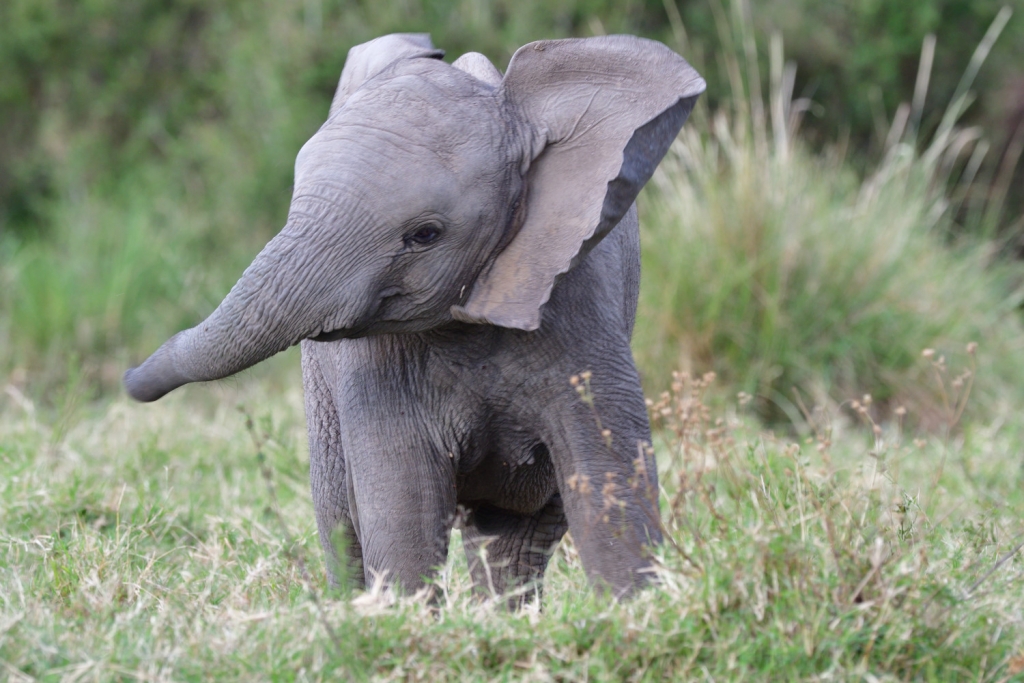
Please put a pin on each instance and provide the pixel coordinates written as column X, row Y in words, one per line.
column 439, row 192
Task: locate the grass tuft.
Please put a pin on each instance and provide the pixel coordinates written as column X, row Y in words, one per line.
column 787, row 274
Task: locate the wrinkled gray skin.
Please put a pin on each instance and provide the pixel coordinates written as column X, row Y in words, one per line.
column 460, row 243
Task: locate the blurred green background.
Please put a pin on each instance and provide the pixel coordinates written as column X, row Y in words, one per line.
column 817, row 226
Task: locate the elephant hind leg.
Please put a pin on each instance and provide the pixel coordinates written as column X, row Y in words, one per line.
column 328, row 480
column 508, row 552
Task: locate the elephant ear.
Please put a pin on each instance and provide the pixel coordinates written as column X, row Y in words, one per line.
column 369, row 59
column 600, row 114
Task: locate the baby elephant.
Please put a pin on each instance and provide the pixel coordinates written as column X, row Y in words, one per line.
column 460, row 244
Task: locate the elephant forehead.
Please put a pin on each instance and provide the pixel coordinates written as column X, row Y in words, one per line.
column 432, row 119
column 423, row 93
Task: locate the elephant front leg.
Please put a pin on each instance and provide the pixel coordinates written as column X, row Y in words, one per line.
column 328, row 481
column 508, row 552
column 608, row 480
column 402, row 499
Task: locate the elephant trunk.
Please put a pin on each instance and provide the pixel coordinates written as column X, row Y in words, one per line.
column 284, row 297
column 160, row 373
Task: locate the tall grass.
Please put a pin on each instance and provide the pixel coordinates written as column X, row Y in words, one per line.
column 789, row 275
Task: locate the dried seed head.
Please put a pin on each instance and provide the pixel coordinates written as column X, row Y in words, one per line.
column 900, row 411
column 586, row 375
column 972, row 347
column 574, row 380
column 928, row 353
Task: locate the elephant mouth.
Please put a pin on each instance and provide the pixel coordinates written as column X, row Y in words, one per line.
column 378, row 327
column 334, row 335
column 391, row 313
column 366, row 323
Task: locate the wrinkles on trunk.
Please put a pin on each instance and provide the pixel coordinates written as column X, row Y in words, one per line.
column 294, row 289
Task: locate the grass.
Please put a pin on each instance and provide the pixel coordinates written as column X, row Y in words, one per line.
column 140, row 542
column 119, row 275
column 791, row 276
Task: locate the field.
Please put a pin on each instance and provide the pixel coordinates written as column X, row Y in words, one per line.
column 829, row 332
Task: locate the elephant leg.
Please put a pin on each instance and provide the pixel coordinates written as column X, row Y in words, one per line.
column 608, row 480
column 402, row 499
column 328, row 481
column 508, row 551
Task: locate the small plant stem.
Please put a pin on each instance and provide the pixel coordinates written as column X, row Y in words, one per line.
column 1002, row 560
column 961, row 403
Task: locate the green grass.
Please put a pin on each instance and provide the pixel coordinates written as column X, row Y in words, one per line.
column 795, row 279
column 120, row 276
column 782, row 273
column 140, row 542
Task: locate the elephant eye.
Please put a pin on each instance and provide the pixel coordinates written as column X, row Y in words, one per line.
column 425, row 234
